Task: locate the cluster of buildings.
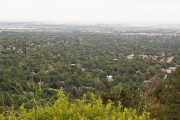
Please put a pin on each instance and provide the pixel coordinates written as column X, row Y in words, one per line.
column 18, row 50
column 152, row 57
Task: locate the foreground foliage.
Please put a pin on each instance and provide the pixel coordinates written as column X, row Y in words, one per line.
column 83, row 109
column 168, row 99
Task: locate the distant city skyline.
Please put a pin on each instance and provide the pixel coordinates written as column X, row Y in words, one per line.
column 91, row 11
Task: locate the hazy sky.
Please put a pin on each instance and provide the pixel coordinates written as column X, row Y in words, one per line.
column 92, row 11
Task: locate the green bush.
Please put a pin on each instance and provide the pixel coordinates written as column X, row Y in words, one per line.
column 84, row 109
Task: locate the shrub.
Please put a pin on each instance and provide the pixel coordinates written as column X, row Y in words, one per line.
column 80, row 109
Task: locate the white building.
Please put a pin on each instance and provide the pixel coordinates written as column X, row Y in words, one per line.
column 109, row 78
column 129, row 57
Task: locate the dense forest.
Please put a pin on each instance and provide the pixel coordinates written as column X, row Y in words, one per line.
column 124, row 75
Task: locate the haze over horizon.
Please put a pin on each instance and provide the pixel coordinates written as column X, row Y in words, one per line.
column 91, row 11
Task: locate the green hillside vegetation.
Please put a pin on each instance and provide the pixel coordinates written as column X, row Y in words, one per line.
column 35, row 65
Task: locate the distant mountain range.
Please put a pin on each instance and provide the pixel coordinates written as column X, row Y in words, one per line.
column 104, row 27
